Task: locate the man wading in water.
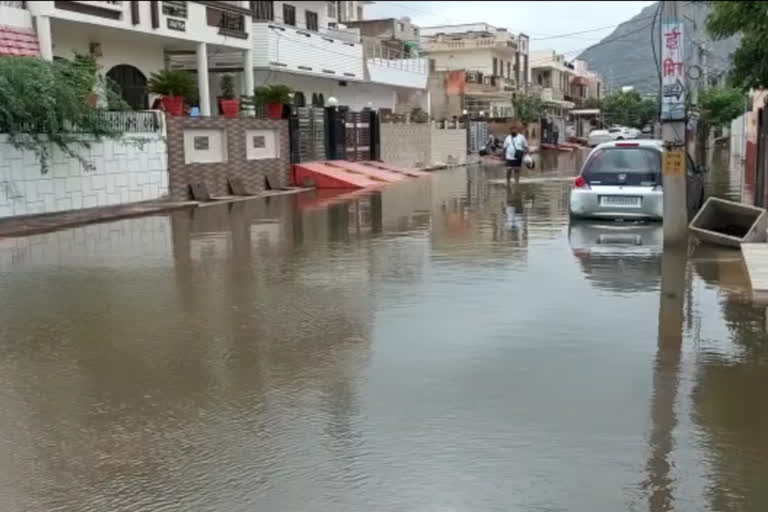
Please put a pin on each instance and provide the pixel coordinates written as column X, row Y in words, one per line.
column 515, row 147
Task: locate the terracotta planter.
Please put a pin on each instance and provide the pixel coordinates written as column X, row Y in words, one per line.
column 275, row 111
column 174, row 105
column 230, row 108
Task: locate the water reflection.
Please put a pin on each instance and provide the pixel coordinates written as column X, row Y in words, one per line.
column 449, row 344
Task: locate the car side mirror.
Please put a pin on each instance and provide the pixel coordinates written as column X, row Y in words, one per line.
column 702, row 169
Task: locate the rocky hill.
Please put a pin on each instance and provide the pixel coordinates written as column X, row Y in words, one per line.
column 625, row 58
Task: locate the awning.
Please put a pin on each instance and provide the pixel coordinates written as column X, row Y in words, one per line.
column 18, row 42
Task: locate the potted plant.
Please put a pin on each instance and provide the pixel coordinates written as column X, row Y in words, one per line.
column 274, row 97
column 229, row 104
column 174, row 86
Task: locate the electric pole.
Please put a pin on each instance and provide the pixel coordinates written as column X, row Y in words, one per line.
column 673, row 124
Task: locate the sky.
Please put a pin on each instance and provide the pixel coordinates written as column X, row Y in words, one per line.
column 540, row 20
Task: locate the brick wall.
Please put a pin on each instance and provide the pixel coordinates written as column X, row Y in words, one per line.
column 448, row 146
column 215, row 175
column 422, row 145
column 405, row 144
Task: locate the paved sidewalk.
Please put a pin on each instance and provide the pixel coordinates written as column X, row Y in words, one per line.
column 36, row 224
column 47, row 222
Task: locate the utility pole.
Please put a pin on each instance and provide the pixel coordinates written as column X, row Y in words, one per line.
column 673, row 124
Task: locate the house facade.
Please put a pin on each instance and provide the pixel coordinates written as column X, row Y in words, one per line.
column 485, row 66
column 132, row 39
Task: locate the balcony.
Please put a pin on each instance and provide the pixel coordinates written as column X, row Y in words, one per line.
column 398, row 72
column 479, row 84
column 287, row 48
column 438, row 45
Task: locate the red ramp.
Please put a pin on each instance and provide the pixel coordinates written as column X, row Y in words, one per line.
column 371, row 172
column 392, row 168
column 326, row 176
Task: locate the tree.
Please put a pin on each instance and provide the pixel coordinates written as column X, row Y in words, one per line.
column 528, row 107
column 629, row 108
column 717, row 107
column 749, row 68
column 45, row 104
column 721, row 105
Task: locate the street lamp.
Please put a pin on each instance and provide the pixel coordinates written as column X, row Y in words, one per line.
column 332, row 101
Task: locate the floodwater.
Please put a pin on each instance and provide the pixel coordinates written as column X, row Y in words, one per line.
column 444, row 345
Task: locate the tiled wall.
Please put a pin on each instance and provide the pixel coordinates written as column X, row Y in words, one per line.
column 127, row 170
column 235, row 162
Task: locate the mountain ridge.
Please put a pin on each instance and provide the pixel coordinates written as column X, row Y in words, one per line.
column 625, row 56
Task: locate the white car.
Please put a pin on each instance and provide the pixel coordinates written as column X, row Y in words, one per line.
column 623, row 180
column 597, row 137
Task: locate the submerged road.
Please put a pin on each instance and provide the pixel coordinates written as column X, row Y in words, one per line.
column 444, row 345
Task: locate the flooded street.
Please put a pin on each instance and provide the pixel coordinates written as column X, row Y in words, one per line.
column 443, row 345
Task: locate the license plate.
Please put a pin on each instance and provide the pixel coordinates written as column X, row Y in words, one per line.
column 621, row 201
column 620, row 239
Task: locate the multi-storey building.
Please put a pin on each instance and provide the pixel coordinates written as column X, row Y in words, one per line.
column 484, row 65
column 132, row 39
column 304, row 44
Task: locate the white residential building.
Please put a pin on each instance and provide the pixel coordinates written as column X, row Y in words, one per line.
column 132, row 39
column 491, row 62
column 307, row 46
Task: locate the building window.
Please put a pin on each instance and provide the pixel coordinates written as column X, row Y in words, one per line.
column 331, row 9
column 263, row 10
column 177, row 9
column 401, row 27
column 495, row 66
column 415, row 32
column 311, row 20
column 359, row 12
column 299, row 100
column 509, row 69
column 289, row 14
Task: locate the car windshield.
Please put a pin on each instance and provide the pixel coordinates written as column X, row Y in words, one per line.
column 623, row 166
column 614, row 130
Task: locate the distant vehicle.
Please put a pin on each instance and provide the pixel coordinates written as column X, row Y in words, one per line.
column 614, row 133
column 632, row 133
column 623, row 180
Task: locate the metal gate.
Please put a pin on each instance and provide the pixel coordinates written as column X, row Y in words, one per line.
column 762, row 159
column 358, row 135
column 308, row 134
column 477, row 135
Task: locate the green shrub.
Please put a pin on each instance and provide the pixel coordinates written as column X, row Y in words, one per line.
column 227, row 87
column 173, row 83
column 46, row 104
column 270, row 94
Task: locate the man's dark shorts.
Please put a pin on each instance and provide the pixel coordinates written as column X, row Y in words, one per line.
column 514, row 163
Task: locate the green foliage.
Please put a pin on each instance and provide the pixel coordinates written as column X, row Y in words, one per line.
column 528, row 107
column 749, row 68
column 46, row 104
column 227, row 87
column 629, row 108
column 721, row 105
column 593, row 103
column 173, row 83
column 271, row 94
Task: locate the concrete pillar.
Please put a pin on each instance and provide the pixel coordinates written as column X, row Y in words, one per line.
column 43, row 26
column 202, row 80
column 248, row 84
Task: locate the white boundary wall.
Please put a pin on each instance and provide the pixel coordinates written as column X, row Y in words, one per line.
column 124, row 172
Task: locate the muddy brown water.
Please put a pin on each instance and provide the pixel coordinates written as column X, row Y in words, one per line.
column 444, row 345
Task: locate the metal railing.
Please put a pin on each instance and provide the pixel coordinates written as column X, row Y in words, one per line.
column 142, row 121
column 12, row 3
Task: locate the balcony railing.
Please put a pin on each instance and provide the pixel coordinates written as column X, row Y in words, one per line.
column 470, row 44
column 17, row 4
column 229, row 23
column 143, row 121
